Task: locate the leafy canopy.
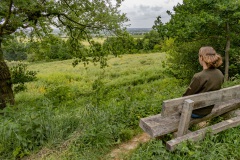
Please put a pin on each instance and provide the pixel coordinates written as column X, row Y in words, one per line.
column 78, row 20
column 203, row 23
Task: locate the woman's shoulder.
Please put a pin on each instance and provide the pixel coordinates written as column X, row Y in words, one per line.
column 216, row 71
column 199, row 74
column 205, row 72
column 209, row 73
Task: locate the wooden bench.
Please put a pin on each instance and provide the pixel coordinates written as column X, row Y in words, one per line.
column 176, row 115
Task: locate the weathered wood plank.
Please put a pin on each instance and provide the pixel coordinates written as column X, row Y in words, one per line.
column 158, row 125
column 201, row 100
column 185, row 117
column 219, row 109
column 237, row 112
column 200, row 134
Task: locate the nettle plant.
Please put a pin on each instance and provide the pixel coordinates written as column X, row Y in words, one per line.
column 20, row 75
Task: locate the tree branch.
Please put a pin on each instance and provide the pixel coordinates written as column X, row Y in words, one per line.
column 7, row 19
column 9, row 14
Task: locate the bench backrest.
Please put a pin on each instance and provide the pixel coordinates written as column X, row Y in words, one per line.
column 201, row 100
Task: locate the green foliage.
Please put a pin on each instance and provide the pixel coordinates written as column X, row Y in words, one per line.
column 126, row 134
column 102, row 124
column 15, row 51
column 221, row 146
column 234, row 67
column 182, row 61
column 27, row 128
column 83, row 113
column 233, row 81
column 157, row 47
column 160, row 27
column 202, row 23
column 85, row 19
column 49, row 48
column 146, row 46
column 115, row 117
column 20, row 75
column 123, row 44
column 139, row 44
column 150, row 40
column 61, row 94
column 167, row 45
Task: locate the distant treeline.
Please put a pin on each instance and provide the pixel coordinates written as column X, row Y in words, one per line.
column 132, row 31
column 55, row 47
column 138, row 31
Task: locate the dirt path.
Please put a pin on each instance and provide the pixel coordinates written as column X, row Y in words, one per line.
column 116, row 154
column 129, row 146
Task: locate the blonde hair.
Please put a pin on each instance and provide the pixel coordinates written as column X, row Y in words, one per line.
column 210, row 57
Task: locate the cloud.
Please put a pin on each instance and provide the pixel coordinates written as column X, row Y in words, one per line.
column 142, row 13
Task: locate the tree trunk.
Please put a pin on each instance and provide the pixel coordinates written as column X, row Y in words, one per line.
column 6, row 92
column 227, row 53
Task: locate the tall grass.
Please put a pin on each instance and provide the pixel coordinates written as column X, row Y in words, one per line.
column 224, row 145
column 83, row 112
column 103, row 105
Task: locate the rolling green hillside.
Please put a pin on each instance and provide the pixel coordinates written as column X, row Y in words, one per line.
column 84, row 112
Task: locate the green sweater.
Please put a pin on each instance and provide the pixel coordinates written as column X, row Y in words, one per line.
column 205, row 81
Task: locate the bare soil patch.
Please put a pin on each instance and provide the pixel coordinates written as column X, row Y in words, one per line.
column 127, row 147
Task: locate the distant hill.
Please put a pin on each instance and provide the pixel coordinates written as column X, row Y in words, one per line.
column 138, row 31
column 133, row 31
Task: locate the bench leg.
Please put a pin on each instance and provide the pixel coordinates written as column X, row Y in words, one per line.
column 185, row 117
column 200, row 134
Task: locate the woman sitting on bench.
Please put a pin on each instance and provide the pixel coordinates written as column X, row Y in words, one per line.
column 209, row 79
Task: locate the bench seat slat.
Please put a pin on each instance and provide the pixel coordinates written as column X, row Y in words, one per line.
column 158, row 125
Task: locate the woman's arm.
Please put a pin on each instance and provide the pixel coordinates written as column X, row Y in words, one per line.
column 194, row 87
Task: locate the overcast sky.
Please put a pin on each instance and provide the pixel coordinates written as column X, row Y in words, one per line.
column 143, row 13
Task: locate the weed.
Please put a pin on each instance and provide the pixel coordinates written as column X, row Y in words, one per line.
column 20, row 75
column 104, row 106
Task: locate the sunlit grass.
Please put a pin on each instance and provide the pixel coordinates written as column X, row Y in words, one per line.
column 119, row 69
column 82, row 112
column 98, row 40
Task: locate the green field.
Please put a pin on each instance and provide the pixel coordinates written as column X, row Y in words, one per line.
column 83, row 112
column 97, row 40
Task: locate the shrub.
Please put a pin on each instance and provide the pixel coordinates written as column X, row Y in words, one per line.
column 60, row 94
column 50, row 48
column 15, row 51
column 182, row 61
column 20, row 75
column 120, row 45
column 26, row 129
column 150, row 40
column 234, row 67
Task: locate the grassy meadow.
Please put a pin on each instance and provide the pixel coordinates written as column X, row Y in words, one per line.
column 83, row 112
column 97, row 39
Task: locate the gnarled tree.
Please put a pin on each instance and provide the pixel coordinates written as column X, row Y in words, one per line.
column 79, row 20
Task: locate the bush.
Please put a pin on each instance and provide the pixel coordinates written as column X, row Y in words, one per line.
column 182, row 61
column 234, row 66
column 20, row 75
column 50, row 48
column 15, row 51
column 150, row 40
column 120, row 45
column 26, row 129
column 60, row 94
column 183, row 57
